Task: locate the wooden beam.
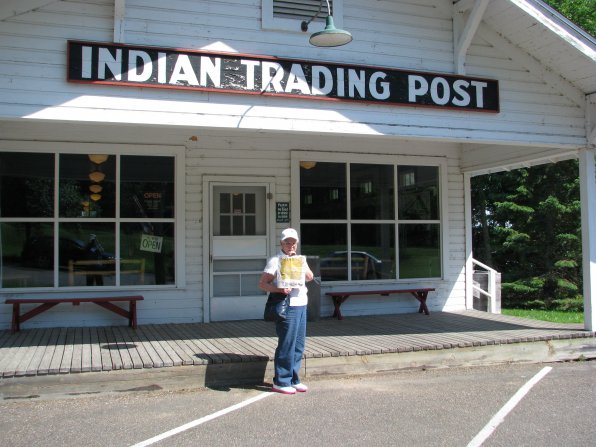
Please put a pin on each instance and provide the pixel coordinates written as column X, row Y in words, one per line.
column 587, row 177
column 464, row 38
column 119, row 17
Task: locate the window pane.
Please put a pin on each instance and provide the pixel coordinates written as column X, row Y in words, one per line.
column 226, row 285
column 147, row 186
column 329, row 242
column 87, row 189
column 237, row 205
column 238, row 265
column 26, row 185
column 250, row 203
column 27, row 254
column 418, row 192
column 373, row 251
column 86, row 254
column 419, row 251
column 371, row 191
column 323, row 191
column 238, row 226
column 224, row 203
column 147, row 253
column 225, row 226
column 251, row 226
column 250, row 285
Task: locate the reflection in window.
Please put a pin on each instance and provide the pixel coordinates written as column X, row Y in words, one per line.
column 370, row 218
column 418, row 192
column 371, row 191
column 329, row 242
column 147, row 185
column 419, row 251
column 147, row 253
column 323, row 191
column 78, row 249
column 86, row 254
column 26, row 184
column 87, row 185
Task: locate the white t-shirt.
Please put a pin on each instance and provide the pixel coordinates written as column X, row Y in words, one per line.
column 298, row 295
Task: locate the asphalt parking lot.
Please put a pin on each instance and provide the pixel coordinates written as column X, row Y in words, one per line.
column 441, row 407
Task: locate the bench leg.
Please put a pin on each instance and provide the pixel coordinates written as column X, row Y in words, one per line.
column 16, row 312
column 421, row 296
column 337, row 302
column 132, row 321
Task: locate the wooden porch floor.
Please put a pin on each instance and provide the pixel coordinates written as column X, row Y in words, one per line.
column 38, row 352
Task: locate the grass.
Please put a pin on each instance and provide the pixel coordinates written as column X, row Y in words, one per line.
column 555, row 316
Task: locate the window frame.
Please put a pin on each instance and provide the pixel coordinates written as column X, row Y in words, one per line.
column 400, row 160
column 66, row 148
column 271, row 23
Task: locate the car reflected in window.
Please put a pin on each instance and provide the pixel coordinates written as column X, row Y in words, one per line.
column 365, row 266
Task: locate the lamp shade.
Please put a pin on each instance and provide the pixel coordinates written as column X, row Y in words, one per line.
column 98, row 158
column 330, row 36
column 97, row 176
column 95, row 197
column 95, row 188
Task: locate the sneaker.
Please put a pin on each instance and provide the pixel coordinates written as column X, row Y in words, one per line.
column 283, row 389
column 300, row 387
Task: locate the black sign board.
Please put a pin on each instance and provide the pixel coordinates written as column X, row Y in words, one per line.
column 139, row 66
column 282, row 214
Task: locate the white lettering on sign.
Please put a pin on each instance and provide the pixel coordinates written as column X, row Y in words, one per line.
column 441, row 91
column 117, row 64
column 151, row 243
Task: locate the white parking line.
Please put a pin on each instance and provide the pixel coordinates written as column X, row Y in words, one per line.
column 503, row 412
column 202, row 420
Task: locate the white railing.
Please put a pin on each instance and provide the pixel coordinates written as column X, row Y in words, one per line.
column 491, row 292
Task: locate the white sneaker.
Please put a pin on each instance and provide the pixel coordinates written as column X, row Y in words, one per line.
column 283, row 389
column 300, row 387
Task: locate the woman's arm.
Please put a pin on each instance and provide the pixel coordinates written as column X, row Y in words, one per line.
column 266, row 284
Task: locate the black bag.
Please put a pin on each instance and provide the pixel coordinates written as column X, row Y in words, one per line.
column 276, row 307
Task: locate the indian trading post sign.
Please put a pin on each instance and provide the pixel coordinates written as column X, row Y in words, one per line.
column 140, row 66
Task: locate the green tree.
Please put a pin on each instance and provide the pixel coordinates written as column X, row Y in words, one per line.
column 527, row 225
column 580, row 12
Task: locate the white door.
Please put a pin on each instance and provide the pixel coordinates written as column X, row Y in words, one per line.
column 238, row 250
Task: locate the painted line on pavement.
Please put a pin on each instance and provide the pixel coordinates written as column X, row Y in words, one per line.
column 496, row 420
column 202, row 420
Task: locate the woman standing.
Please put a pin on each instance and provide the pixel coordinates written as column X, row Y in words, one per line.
column 291, row 332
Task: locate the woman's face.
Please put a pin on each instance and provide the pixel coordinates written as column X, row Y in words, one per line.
column 289, row 246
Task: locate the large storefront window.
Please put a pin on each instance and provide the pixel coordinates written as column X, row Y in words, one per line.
column 372, row 232
column 86, row 220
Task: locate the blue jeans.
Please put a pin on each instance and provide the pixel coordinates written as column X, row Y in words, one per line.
column 291, row 337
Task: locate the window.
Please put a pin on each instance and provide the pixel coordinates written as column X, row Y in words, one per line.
column 86, row 220
column 287, row 15
column 361, row 229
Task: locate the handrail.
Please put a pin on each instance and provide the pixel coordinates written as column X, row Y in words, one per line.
column 492, row 285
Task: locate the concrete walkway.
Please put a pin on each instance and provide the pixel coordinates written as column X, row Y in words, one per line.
column 241, row 352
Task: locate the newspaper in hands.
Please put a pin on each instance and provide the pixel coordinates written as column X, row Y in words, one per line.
column 291, row 273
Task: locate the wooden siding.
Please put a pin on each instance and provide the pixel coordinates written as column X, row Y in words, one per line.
column 418, row 36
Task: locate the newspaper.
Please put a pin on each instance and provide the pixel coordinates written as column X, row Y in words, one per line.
column 292, row 270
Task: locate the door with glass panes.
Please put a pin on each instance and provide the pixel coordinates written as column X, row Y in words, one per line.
column 238, row 250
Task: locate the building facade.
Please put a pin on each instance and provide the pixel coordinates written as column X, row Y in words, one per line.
column 159, row 148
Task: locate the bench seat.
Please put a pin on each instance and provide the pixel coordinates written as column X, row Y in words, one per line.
column 107, row 302
column 339, row 297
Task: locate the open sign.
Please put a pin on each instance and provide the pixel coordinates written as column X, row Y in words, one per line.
column 151, row 243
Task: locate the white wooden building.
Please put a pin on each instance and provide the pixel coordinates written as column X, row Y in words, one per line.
column 222, row 125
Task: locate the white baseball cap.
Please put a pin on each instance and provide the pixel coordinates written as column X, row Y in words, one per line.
column 289, row 233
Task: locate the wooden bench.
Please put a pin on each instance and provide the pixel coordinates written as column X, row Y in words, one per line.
column 339, row 297
column 107, row 302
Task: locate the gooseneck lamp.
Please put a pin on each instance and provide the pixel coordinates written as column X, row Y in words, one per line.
column 330, row 36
